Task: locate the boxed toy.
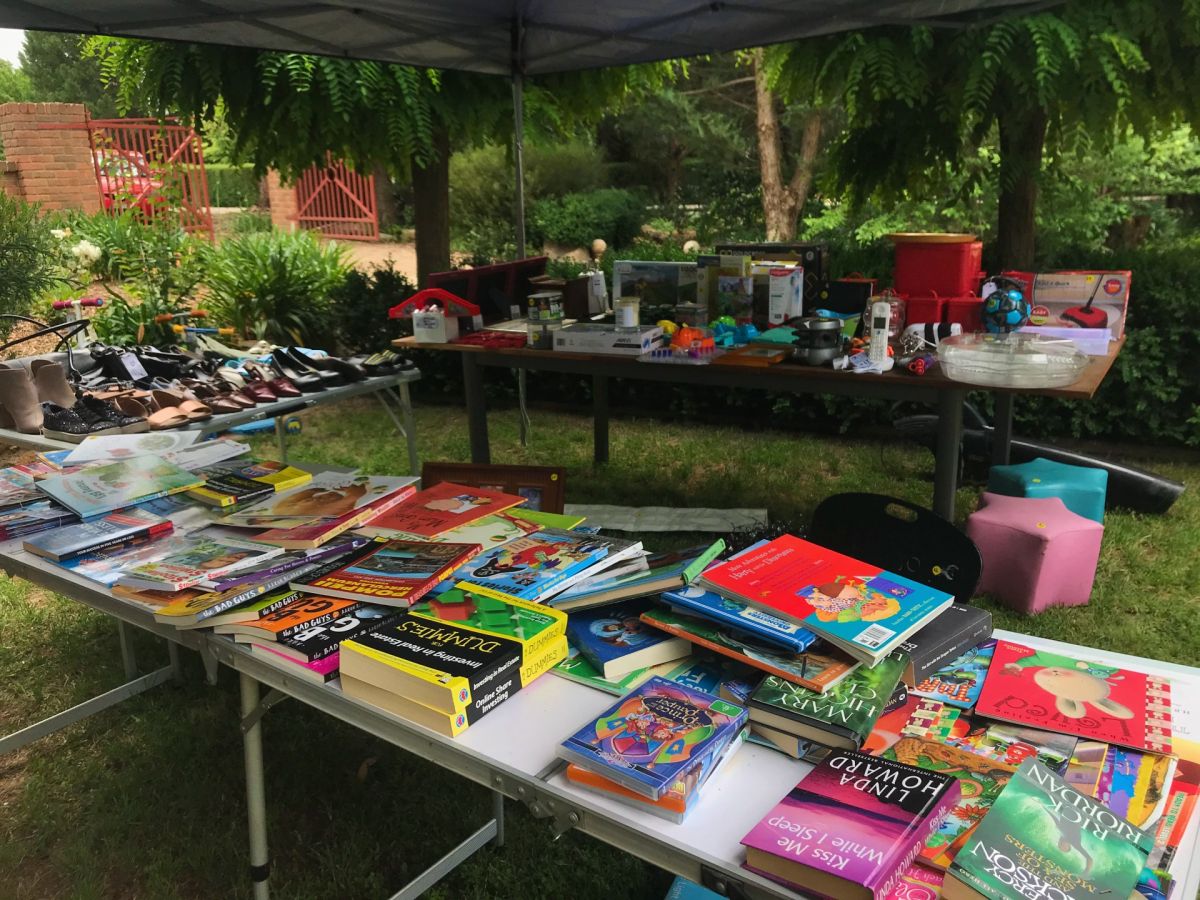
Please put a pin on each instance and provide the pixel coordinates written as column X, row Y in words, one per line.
column 588, row 337
column 656, row 283
column 1082, row 299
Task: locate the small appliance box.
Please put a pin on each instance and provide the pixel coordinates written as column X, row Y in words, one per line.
column 656, row 283
column 785, row 291
column 595, row 338
column 1083, row 299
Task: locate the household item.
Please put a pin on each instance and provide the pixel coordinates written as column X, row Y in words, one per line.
column 1036, row 552
column 1082, row 489
column 931, row 308
column 589, row 337
column 19, row 407
column 879, row 332
column 1011, row 360
column 897, row 310
column 627, row 311
column 540, row 332
column 497, row 291
column 545, row 305
column 656, row 282
column 932, row 263
column 818, row 340
column 436, row 313
column 694, row 314
column 965, row 311
column 1094, row 298
column 901, row 537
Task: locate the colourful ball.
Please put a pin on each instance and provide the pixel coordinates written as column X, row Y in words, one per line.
column 1005, row 310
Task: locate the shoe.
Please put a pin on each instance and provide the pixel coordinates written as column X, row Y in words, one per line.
column 50, row 379
column 305, row 365
column 106, row 410
column 69, row 425
column 307, row 380
column 349, row 372
column 181, row 402
column 19, row 406
column 280, row 385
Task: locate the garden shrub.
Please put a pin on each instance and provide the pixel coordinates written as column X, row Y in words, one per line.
column 27, row 258
column 575, row 220
column 231, row 184
column 275, row 285
column 250, row 221
column 359, row 307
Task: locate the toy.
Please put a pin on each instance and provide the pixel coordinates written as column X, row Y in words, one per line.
column 435, row 313
column 1005, row 306
column 667, row 326
column 919, row 364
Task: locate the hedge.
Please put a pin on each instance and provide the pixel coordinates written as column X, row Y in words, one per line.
column 232, row 185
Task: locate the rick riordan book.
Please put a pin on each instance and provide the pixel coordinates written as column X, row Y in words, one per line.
column 851, row 827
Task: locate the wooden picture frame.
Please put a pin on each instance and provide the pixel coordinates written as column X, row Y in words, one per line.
column 543, row 487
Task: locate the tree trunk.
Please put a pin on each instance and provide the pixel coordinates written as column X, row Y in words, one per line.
column 431, row 209
column 385, row 198
column 782, row 201
column 1022, row 138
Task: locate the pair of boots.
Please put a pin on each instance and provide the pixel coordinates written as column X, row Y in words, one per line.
column 40, row 400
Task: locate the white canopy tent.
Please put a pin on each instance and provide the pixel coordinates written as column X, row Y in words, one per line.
column 519, row 38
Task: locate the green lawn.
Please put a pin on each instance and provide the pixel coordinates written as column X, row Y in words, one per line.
column 147, row 799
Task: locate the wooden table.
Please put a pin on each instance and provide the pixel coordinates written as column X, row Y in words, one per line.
column 935, row 389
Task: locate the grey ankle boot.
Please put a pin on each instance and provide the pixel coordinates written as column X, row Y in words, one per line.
column 51, row 381
column 19, row 406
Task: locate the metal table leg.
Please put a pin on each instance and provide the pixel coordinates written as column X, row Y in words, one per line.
column 410, row 427
column 498, row 816
column 281, row 437
column 176, row 662
column 128, row 658
column 1002, row 425
column 477, row 426
column 256, row 800
column 600, row 418
column 949, row 441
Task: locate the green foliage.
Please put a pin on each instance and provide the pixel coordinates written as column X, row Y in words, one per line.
column 232, row 184
column 251, row 221
column 27, row 258
column 359, row 307
column 58, row 70
column 14, row 84
column 275, row 285
column 575, row 220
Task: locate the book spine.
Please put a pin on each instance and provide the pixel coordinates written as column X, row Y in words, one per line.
column 935, row 658
column 791, row 642
column 929, row 825
column 323, row 619
column 301, row 580
column 255, row 590
column 698, row 565
column 120, row 541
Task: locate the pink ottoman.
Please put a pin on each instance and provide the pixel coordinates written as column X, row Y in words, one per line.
column 1036, row 552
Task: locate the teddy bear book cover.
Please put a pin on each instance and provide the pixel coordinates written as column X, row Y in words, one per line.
column 1087, row 699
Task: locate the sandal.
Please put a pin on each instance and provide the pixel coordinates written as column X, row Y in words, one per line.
column 181, row 403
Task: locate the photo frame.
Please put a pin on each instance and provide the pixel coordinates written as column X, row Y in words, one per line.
column 543, row 487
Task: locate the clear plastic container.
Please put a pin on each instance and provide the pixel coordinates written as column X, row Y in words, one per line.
column 1011, row 360
column 627, row 311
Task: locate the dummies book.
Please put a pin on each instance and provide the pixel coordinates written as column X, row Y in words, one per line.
column 851, row 827
column 981, row 779
column 393, row 572
column 817, row 670
column 446, row 505
column 861, row 608
column 959, row 628
column 102, row 489
column 696, row 601
column 960, row 681
column 841, row 717
column 617, row 641
column 228, row 485
column 120, row 529
column 1087, row 699
column 653, row 735
column 488, row 613
column 1056, row 841
column 315, row 642
column 663, row 572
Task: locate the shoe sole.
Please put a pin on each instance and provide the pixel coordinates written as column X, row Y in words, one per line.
column 64, row 436
column 140, row 428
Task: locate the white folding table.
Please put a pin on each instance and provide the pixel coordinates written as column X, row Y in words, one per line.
column 511, row 751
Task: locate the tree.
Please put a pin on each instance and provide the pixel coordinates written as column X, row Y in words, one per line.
column 59, row 71
column 1043, row 85
column 14, row 85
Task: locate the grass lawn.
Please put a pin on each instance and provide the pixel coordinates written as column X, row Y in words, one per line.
column 146, row 800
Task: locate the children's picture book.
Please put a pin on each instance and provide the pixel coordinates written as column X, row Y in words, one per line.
column 817, row 670
column 861, row 608
column 391, row 572
column 229, row 484
column 106, row 566
column 654, row 735
column 18, row 488
column 115, row 447
column 315, row 642
column 198, row 559
column 980, row 779
column 206, row 453
column 696, row 601
column 662, row 572
column 576, row 668
column 329, row 495
column 120, row 529
column 446, row 505
column 616, row 641
column 537, row 565
column 316, row 533
column 490, row 531
column 301, row 613
column 841, row 717
column 960, row 681
column 1016, row 742
column 851, row 827
column 105, row 488
column 959, row 628
column 489, row 614
column 1087, row 762
column 195, row 608
column 1087, row 699
column 1070, row 845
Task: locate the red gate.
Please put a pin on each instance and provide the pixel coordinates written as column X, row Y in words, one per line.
column 154, row 168
column 338, row 202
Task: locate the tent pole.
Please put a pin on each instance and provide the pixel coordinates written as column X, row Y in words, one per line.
column 518, row 92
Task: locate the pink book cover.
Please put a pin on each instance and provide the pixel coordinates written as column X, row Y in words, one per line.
column 857, row 817
column 325, row 669
column 918, row 883
column 444, row 506
column 1073, row 696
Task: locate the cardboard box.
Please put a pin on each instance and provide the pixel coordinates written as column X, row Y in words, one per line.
column 785, row 293
column 434, row 327
column 1060, row 300
column 588, row 337
column 656, row 283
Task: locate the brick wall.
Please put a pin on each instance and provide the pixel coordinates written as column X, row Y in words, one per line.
column 282, row 200
column 51, row 166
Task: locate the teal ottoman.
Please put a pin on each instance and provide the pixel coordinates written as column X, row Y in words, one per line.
column 1080, row 488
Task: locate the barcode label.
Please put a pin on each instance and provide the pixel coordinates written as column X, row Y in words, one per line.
column 874, row 636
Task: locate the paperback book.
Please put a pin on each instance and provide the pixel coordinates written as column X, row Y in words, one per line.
column 230, row 484
column 103, row 448
column 852, row 826
column 207, row 609
column 817, row 670
column 576, row 668
column 490, row 531
column 34, row 519
column 105, row 488
column 120, row 529
column 106, row 566
column 617, row 641
column 17, row 488
column 329, row 495
column 309, row 534
column 960, row 681
column 493, row 615
column 842, row 717
column 662, row 572
column 1087, row 699
column 860, row 608
column 654, row 735
column 1069, row 845
column 445, row 506
column 766, row 628
column 947, row 637
column 199, row 560
column 321, row 671
column 394, row 572
column 301, row 613
column 316, row 642
column 297, row 563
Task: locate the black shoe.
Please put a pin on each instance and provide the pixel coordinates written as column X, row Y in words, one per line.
column 348, row 370
column 106, row 411
column 68, row 425
column 307, row 380
column 305, row 366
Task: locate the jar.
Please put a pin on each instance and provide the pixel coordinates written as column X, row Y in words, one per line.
column 691, row 314
column 545, row 305
column 628, row 313
column 540, row 332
